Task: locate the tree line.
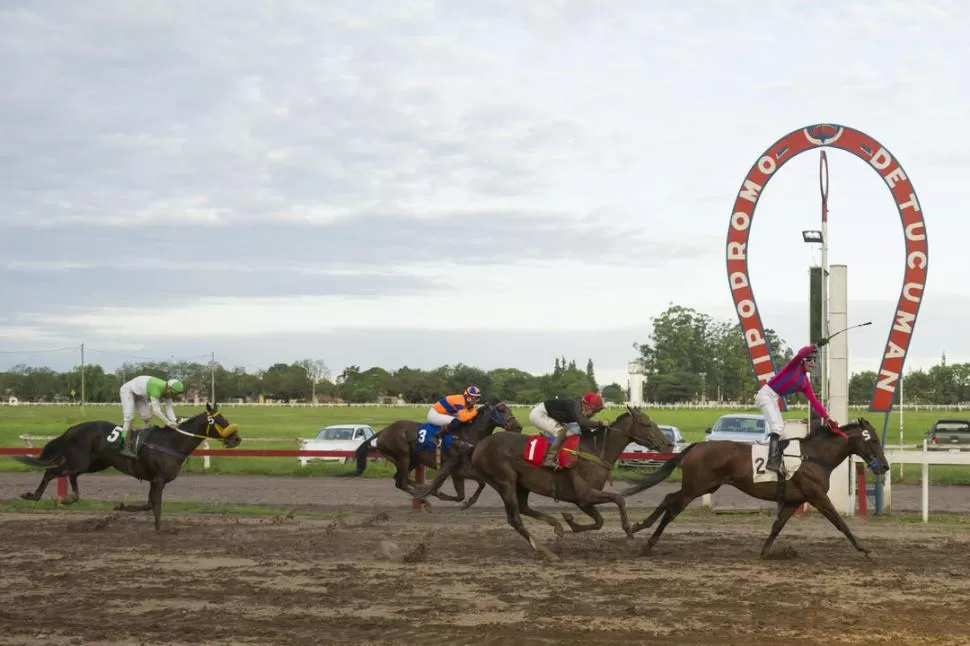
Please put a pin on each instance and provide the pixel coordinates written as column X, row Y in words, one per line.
column 308, row 380
column 689, row 357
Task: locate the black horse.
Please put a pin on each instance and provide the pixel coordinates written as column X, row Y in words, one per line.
column 93, row 446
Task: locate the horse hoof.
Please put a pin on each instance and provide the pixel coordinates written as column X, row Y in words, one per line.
column 550, row 557
column 28, row 496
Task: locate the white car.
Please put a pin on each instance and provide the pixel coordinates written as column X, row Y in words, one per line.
column 673, row 434
column 339, row 437
column 739, row 427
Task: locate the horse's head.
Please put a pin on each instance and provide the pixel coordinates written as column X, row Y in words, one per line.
column 864, row 442
column 218, row 427
column 643, row 430
column 500, row 414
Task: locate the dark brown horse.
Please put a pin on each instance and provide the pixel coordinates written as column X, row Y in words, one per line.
column 500, row 460
column 399, row 442
column 708, row 465
column 93, row 446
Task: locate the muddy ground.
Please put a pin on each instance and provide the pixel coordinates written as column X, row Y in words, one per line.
column 374, row 572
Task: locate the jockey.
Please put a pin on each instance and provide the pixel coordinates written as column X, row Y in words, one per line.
column 791, row 379
column 562, row 417
column 451, row 411
column 148, row 393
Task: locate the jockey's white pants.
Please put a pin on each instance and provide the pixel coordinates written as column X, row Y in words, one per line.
column 767, row 400
column 129, row 401
column 541, row 420
column 439, row 419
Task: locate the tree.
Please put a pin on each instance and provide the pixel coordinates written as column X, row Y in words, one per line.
column 316, row 370
column 591, row 374
column 861, row 387
column 614, row 393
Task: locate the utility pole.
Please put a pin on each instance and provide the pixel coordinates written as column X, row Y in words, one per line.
column 212, row 374
column 82, row 377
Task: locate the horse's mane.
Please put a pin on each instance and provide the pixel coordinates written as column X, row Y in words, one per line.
column 819, row 430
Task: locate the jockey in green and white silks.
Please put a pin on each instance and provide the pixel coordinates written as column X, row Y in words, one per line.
column 149, row 394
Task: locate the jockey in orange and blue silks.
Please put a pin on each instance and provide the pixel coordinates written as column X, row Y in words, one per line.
column 791, row 379
column 451, row 411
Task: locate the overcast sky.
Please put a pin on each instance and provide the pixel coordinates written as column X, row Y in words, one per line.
column 423, row 183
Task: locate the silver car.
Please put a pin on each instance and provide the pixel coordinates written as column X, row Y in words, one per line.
column 673, row 434
column 739, row 427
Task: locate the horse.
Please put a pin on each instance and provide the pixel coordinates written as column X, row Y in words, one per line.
column 93, row 446
column 708, row 465
column 399, row 442
column 501, row 460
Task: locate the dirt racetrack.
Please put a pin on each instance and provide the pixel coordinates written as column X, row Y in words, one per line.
column 375, row 572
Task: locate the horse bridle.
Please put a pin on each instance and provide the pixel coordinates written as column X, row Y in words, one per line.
column 224, row 431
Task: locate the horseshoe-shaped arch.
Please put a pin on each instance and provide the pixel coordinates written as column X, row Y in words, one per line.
column 914, row 231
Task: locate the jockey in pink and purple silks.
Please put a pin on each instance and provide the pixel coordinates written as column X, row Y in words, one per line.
column 793, row 378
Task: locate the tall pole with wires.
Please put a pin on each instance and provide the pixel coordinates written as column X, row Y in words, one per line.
column 212, row 376
column 82, row 377
column 823, row 180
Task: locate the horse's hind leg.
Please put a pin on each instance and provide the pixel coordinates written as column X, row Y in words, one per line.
column 676, row 504
column 403, row 470
column 36, row 494
column 522, row 495
column 784, row 514
column 590, row 511
column 75, row 494
column 657, row 513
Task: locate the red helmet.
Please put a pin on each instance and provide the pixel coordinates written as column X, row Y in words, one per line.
column 594, row 401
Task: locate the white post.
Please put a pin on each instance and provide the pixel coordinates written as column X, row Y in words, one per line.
column 926, row 485
column 837, row 376
column 902, row 378
column 634, row 371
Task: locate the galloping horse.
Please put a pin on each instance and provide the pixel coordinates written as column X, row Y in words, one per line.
column 708, row 465
column 402, row 440
column 93, row 446
column 501, row 461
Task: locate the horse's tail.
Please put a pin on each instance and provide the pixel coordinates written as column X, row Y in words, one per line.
column 49, row 455
column 360, row 455
column 660, row 475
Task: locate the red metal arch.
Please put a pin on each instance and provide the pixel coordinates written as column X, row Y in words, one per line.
column 914, row 231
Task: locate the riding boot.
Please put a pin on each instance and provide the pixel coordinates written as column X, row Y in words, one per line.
column 551, row 458
column 774, row 454
column 128, row 448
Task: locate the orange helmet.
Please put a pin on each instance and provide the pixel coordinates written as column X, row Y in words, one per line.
column 594, row 401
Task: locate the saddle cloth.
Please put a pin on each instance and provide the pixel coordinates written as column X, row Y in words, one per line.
column 791, row 460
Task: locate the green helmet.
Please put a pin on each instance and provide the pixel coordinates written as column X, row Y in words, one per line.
column 176, row 386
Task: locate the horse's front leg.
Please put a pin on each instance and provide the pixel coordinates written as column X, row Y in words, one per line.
column 155, row 498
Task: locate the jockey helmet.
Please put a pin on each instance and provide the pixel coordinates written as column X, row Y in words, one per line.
column 594, row 401
column 812, row 355
column 473, row 392
column 175, row 385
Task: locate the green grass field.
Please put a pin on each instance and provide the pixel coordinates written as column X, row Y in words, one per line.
column 281, row 426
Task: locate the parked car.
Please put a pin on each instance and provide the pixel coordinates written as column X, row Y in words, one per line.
column 338, row 437
column 949, row 432
column 673, row 434
column 739, row 427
